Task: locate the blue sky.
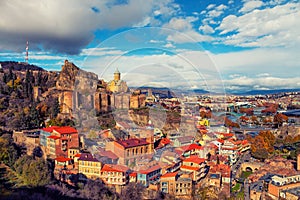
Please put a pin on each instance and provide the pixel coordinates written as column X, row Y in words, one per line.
column 236, row 45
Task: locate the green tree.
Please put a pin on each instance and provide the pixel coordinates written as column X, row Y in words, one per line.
column 34, row 172
column 34, row 117
column 133, row 191
column 8, row 151
column 261, row 154
column 39, row 78
column 55, row 108
column 95, row 189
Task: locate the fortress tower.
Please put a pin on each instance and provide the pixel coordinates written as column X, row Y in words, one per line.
column 117, row 75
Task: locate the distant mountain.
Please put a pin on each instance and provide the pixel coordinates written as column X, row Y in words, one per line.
column 19, row 66
column 165, row 92
column 266, row 92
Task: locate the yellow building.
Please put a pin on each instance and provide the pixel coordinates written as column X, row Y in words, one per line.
column 117, row 85
column 89, row 166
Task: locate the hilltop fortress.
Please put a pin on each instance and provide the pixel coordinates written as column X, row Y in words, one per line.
column 80, row 90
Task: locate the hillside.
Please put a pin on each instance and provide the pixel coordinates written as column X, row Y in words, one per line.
column 19, row 66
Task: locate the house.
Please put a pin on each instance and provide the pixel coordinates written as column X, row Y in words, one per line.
column 60, row 141
column 220, row 177
column 131, row 150
column 89, row 166
column 44, row 134
column 52, row 149
column 114, row 174
column 231, row 150
column 280, row 183
column 188, row 150
column 196, row 166
column 132, row 177
column 183, row 140
column 175, row 184
column 149, row 176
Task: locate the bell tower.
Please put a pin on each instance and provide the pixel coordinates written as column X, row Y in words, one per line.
column 117, row 75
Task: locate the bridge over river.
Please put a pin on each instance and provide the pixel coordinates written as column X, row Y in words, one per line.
column 249, row 130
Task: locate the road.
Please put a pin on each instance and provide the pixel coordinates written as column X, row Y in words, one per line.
column 235, row 167
column 246, row 190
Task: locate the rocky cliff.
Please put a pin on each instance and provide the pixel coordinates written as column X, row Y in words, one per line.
column 67, row 76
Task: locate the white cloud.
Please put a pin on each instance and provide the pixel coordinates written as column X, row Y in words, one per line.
column 155, row 41
column 263, row 75
column 101, row 52
column 273, row 61
column 68, row 26
column 262, row 83
column 246, row 70
column 251, row 5
column 270, row 27
column 221, row 7
column 206, row 29
column 210, row 6
column 185, row 32
column 169, row 45
column 203, row 12
column 214, row 13
column 189, row 36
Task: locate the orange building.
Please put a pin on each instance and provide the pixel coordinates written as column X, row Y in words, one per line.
column 196, row 166
column 61, row 140
column 130, row 150
column 114, row 174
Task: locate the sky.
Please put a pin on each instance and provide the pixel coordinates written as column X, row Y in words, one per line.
column 232, row 45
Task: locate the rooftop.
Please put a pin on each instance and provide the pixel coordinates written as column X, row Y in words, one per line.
column 88, row 157
column 62, row 159
column 195, row 159
column 171, row 174
column 53, row 137
column 114, row 168
column 65, row 130
column 133, row 142
column 49, row 129
column 149, row 170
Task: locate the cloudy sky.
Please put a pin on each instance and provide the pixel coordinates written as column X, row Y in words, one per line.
column 236, row 45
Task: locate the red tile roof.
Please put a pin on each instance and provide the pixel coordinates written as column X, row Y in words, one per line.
column 165, row 141
column 77, row 155
column 245, row 142
column 114, row 168
column 221, row 168
column 62, row 159
column 221, row 141
column 227, row 134
column 49, row 129
column 65, row 130
column 133, row 174
column 192, row 147
column 171, row 174
column 189, row 168
column 55, row 137
column 195, row 159
column 149, row 170
column 133, row 142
